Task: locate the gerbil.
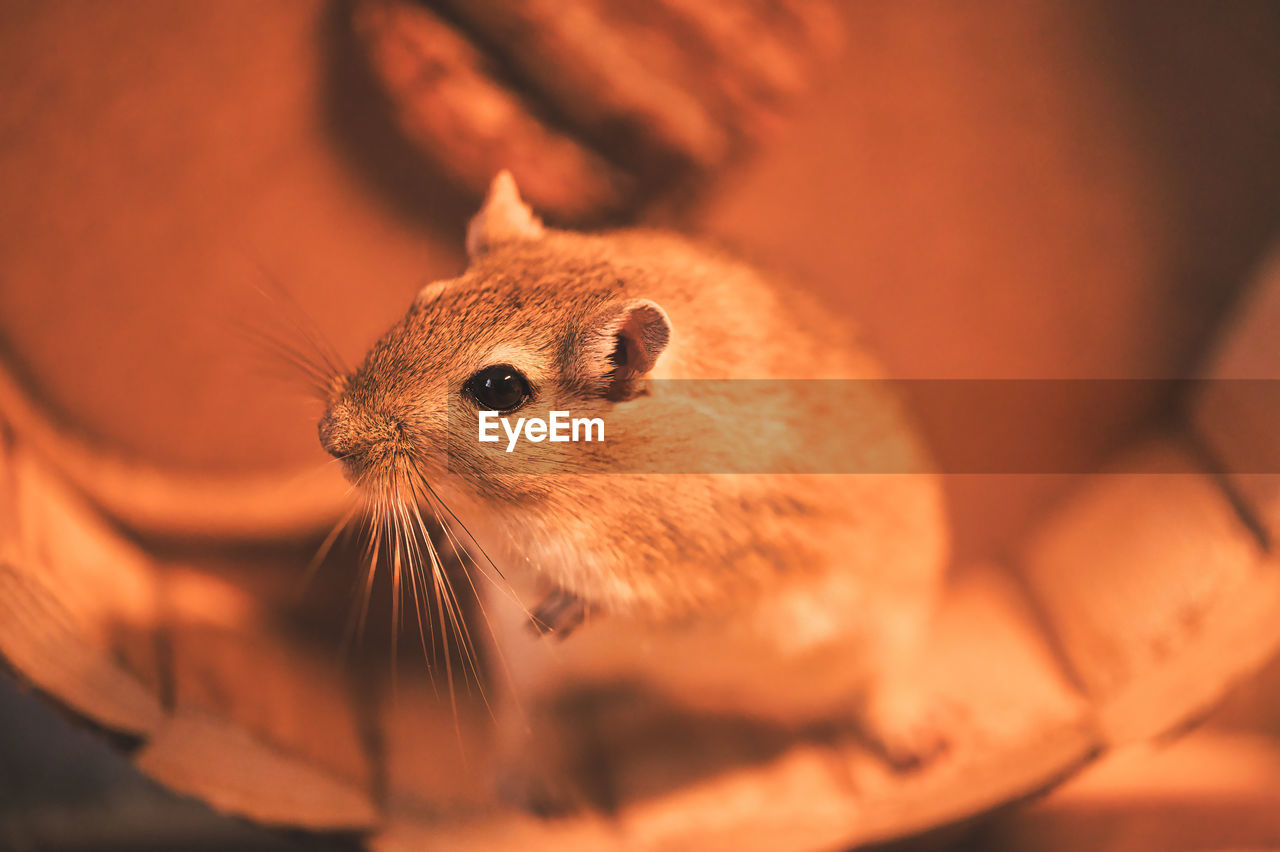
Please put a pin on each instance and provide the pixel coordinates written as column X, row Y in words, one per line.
column 791, row 598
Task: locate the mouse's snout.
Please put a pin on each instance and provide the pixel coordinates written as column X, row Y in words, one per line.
column 337, row 434
column 364, row 441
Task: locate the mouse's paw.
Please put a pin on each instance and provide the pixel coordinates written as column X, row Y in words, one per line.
column 559, row 614
column 909, row 728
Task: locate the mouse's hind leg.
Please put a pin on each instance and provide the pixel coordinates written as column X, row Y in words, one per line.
column 906, row 723
column 899, row 712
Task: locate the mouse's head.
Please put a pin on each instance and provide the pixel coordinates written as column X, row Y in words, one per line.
column 541, row 321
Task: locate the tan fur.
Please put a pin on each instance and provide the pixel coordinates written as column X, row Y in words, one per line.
column 786, row 596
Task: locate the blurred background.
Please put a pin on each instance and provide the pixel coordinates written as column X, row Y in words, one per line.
column 1029, row 189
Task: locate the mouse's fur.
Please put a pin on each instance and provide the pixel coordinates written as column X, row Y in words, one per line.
column 790, row 596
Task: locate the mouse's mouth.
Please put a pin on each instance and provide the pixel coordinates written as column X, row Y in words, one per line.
column 355, row 470
column 372, row 467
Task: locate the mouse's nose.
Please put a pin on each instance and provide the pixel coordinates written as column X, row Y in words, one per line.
column 336, row 433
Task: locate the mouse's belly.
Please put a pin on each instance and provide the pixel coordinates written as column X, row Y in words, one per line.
column 848, row 597
column 798, row 658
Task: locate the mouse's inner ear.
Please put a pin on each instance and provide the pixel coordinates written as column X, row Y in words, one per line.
column 504, row 218
column 630, row 340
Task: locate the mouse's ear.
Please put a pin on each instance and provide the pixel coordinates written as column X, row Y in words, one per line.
column 503, row 218
column 630, row 339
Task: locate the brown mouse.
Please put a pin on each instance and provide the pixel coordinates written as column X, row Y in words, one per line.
column 795, row 598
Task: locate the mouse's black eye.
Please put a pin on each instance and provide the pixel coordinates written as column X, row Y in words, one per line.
column 498, row 388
